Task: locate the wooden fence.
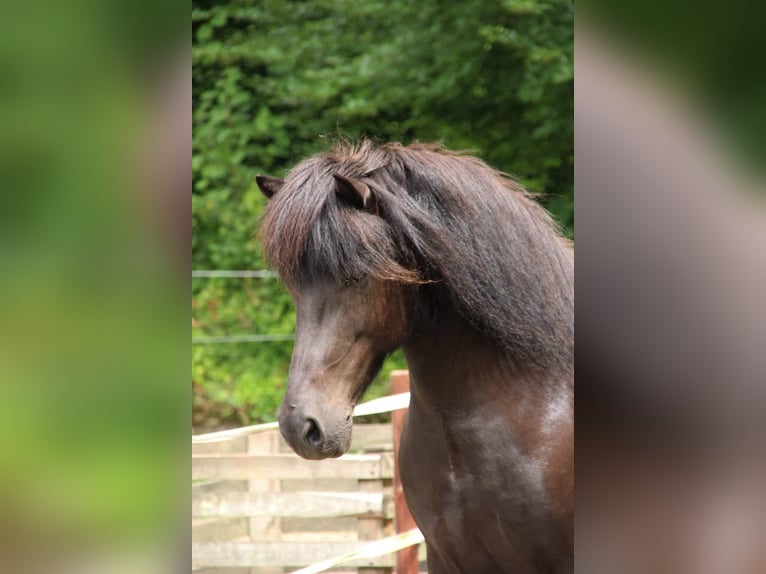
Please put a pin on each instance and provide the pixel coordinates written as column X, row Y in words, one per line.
column 258, row 508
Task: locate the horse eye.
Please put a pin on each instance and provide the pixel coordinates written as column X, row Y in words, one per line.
column 352, row 280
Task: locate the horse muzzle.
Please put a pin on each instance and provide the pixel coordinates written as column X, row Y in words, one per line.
column 315, row 434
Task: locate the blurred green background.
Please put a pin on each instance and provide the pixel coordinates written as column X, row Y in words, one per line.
column 92, row 364
column 276, row 81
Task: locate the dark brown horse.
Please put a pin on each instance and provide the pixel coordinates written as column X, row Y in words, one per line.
column 436, row 252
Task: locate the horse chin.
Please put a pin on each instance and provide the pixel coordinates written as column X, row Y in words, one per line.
column 338, row 444
column 337, row 452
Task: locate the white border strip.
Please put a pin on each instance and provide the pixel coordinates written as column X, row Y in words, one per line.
column 373, row 407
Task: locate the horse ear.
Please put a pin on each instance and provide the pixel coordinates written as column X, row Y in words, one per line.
column 269, row 185
column 356, row 192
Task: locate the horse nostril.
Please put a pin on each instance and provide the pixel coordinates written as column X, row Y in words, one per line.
column 313, row 434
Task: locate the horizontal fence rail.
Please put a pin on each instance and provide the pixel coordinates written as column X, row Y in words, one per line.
column 279, row 554
column 373, row 407
column 247, row 467
column 317, row 556
column 306, row 504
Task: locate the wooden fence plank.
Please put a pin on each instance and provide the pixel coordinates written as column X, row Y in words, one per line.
column 236, row 444
column 218, row 487
column 287, row 554
column 219, row 530
column 244, row 466
column 289, row 504
column 367, row 436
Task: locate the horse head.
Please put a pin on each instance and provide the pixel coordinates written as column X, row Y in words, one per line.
column 346, row 326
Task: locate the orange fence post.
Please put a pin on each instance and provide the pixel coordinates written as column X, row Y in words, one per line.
column 407, row 558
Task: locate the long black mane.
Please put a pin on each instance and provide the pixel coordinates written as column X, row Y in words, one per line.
column 443, row 217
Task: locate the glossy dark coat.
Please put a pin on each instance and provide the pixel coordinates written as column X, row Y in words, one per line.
column 438, row 253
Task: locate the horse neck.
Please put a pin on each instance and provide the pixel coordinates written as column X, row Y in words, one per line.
column 454, row 366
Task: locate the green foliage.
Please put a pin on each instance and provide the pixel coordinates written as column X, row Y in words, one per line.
column 277, row 80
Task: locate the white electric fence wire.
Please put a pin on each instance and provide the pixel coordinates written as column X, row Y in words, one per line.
column 372, row 550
